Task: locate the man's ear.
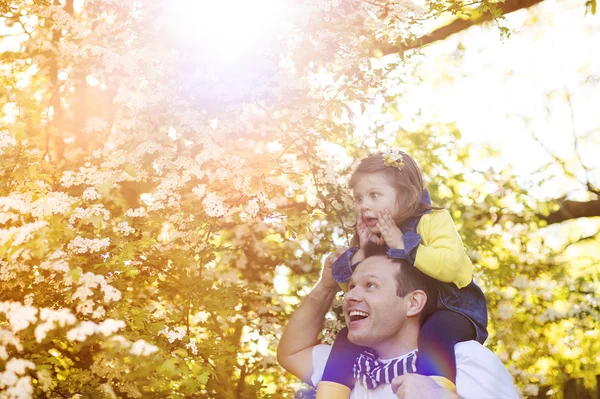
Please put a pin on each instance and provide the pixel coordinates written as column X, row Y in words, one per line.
column 416, row 302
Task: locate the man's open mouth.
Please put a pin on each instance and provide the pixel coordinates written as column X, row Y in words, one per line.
column 356, row 315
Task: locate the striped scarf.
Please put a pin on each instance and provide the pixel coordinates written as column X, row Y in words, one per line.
column 369, row 371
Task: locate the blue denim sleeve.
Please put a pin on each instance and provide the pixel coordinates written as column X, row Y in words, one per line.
column 411, row 242
column 342, row 267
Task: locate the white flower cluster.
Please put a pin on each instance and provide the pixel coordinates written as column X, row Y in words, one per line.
column 95, row 124
column 50, row 319
column 192, row 346
column 505, row 310
column 530, row 390
column 21, row 234
column 142, row 348
column 210, row 151
column 136, row 213
column 90, row 194
column 7, row 337
column 89, row 176
column 520, row 282
column 56, row 261
column 87, row 213
column 214, row 205
column 125, row 229
column 199, row 190
column 6, row 140
column 80, row 245
column 550, row 315
column 52, row 204
column 88, row 328
column 252, row 207
column 13, row 382
column 89, row 281
column 19, row 316
column 174, row 334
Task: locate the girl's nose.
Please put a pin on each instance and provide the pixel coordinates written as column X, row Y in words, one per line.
column 365, row 206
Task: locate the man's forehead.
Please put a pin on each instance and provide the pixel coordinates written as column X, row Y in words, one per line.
column 378, row 264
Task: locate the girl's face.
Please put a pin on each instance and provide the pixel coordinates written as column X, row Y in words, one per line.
column 373, row 194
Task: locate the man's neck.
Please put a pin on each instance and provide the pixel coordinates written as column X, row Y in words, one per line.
column 402, row 343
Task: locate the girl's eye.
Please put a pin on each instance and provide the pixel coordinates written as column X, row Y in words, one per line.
column 374, row 195
column 358, row 199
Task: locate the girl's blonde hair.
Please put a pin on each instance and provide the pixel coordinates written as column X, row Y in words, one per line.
column 407, row 180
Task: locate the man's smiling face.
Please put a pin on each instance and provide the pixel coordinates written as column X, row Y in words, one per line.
column 374, row 313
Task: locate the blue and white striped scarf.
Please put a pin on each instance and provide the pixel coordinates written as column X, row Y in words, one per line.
column 369, row 371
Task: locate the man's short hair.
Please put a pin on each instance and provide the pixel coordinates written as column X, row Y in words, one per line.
column 409, row 279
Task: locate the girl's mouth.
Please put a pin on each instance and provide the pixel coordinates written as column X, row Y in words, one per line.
column 371, row 222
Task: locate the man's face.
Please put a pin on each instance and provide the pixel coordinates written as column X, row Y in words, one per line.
column 373, row 193
column 374, row 313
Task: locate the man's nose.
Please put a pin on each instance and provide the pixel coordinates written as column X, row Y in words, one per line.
column 352, row 295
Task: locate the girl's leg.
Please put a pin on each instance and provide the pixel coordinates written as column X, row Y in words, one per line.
column 438, row 335
column 339, row 367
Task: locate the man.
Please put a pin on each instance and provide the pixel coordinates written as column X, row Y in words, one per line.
column 383, row 310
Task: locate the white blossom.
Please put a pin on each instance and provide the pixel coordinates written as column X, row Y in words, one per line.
column 95, row 124
column 90, row 194
column 53, row 203
column 20, row 235
column 6, row 140
column 505, row 311
column 214, row 205
column 199, row 190
column 142, row 348
column 125, row 229
column 19, row 316
column 80, row 245
column 52, row 318
column 88, row 328
column 172, row 335
column 136, row 213
column 192, row 346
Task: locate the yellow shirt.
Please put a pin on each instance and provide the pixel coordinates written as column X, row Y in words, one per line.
column 441, row 253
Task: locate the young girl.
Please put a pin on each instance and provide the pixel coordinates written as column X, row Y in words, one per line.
column 394, row 209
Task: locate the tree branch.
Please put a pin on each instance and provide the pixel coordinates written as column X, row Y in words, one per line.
column 458, row 25
column 573, row 210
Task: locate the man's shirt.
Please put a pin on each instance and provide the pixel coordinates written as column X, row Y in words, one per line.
column 479, row 374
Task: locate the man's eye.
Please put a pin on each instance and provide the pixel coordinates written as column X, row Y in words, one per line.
column 371, row 285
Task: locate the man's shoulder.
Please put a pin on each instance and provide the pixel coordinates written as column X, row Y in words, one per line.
column 480, row 373
column 472, row 352
column 473, row 348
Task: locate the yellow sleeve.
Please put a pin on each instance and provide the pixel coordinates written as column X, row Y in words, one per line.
column 441, row 254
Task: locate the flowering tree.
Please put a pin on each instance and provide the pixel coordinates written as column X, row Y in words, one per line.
column 154, row 186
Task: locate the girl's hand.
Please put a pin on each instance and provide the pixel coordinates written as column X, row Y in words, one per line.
column 364, row 233
column 390, row 232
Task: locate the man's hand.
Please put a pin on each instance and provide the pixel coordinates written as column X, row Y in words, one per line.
column 417, row 386
column 389, row 230
column 326, row 274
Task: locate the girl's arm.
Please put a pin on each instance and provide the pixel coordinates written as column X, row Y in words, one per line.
column 441, row 253
column 437, row 250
